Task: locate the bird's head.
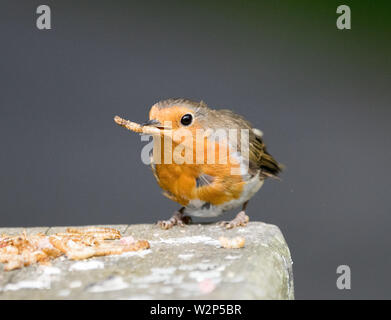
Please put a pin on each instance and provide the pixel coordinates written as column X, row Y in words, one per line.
column 177, row 114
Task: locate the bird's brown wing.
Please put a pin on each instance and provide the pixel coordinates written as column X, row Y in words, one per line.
column 260, row 159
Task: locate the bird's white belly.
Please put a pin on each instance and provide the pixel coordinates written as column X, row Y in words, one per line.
column 199, row 208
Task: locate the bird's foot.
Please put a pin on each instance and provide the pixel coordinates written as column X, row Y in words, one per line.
column 178, row 219
column 240, row 220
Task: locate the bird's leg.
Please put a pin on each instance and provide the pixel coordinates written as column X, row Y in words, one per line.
column 241, row 219
column 178, row 218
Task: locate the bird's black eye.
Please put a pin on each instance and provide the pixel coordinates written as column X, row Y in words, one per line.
column 187, row 119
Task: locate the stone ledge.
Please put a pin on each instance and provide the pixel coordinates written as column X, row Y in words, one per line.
column 183, row 263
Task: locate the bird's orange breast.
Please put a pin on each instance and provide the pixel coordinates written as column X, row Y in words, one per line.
column 179, row 180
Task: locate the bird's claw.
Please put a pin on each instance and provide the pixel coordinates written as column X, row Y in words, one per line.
column 178, row 219
column 165, row 224
column 240, row 220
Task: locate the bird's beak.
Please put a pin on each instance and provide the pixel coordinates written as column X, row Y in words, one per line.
column 152, row 122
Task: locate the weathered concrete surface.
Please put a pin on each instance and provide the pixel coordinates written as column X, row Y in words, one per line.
column 183, row 263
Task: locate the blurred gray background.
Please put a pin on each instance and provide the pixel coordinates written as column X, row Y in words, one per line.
column 320, row 95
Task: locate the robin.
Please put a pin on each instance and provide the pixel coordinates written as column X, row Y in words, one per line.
column 210, row 183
